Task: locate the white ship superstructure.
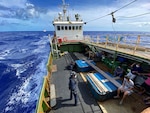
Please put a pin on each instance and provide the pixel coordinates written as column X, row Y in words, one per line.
column 67, row 29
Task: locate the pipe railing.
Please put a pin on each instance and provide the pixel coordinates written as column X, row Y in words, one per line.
column 131, row 42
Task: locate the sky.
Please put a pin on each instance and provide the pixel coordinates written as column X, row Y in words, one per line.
column 37, row 15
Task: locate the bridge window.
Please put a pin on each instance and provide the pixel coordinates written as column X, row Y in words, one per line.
column 66, row 28
column 76, row 27
column 80, row 27
column 69, row 27
column 58, row 27
column 72, row 27
column 62, row 27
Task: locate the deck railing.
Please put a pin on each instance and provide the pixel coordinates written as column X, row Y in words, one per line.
column 131, row 40
column 43, row 104
column 130, row 44
column 49, row 65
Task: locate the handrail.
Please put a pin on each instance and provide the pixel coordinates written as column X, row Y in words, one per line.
column 49, row 65
column 133, row 42
column 134, row 45
column 43, row 104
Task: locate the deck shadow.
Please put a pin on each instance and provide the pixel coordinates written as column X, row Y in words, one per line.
column 60, row 103
column 86, row 95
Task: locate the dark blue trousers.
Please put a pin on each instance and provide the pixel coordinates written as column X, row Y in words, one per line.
column 74, row 93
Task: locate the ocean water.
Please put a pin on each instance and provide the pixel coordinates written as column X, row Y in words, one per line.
column 23, row 59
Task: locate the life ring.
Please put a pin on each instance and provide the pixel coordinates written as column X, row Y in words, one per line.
column 65, row 39
column 59, row 40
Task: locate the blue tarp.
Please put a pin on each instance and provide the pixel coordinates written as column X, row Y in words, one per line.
column 83, row 65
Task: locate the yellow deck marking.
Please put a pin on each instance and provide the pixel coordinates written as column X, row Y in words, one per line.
column 83, row 77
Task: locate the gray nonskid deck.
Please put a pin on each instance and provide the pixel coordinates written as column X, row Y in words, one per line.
column 60, row 78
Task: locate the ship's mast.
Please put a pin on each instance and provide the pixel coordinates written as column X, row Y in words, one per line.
column 64, row 9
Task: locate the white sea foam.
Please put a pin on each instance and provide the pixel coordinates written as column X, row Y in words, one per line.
column 8, row 108
column 25, row 95
column 39, row 49
column 4, row 53
column 42, row 41
column 40, row 45
column 22, row 95
column 20, row 68
column 23, row 50
column 28, row 92
column 38, row 80
column 16, row 65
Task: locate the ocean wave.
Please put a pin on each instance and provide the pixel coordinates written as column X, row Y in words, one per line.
column 20, row 68
column 21, row 96
column 5, row 53
column 28, row 92
column 43, row 41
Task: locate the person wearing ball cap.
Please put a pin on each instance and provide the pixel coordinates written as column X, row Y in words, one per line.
column 73, row 73
column 73, row 87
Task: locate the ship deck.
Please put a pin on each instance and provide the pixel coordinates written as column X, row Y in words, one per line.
column 133, row 103
column 87, row 104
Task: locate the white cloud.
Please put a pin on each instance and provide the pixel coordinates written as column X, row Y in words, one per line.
column 140, row 24
column 20, row 10
column 146, row 5
column 32, row 12
column 121, row 15
column 44, row 17
column 29, row 5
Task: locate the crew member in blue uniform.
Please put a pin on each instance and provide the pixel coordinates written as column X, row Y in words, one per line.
column 73, row 87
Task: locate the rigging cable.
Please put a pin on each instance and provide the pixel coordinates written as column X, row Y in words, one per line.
column 96, row 19
column 114, row 19
column 134, row 15
column 112, row 13
column 125, row 6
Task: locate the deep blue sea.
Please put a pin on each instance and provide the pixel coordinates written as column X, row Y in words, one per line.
column 23, row 59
